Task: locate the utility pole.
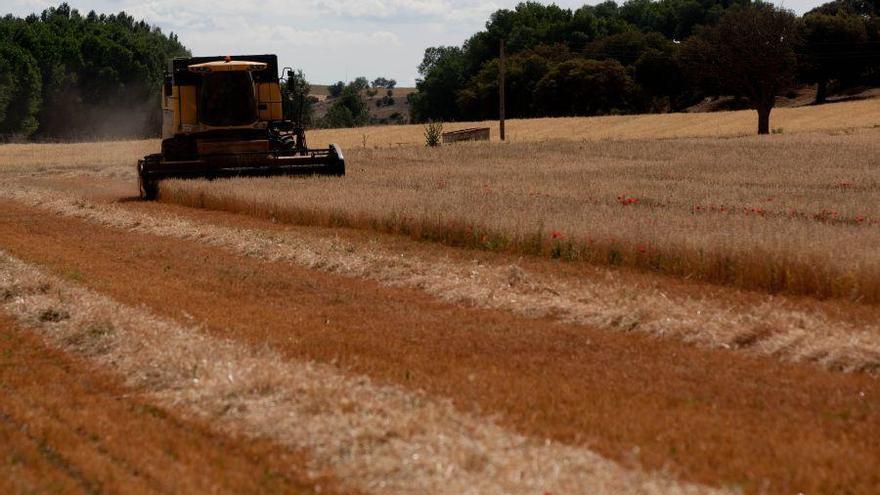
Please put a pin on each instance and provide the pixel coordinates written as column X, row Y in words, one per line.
column 501, row 69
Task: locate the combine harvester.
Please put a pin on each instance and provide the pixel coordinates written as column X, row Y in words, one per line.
column 228, row 117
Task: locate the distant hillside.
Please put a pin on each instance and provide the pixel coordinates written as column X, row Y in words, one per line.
column 396, row 113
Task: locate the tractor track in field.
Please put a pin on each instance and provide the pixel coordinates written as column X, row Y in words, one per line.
column 377, row 438
column 835, row 334
column 69, row 426
column 722, row 418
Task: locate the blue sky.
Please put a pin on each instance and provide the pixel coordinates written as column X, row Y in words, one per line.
column 329, row 39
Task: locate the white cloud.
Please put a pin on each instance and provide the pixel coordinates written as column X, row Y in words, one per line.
column 325, row 37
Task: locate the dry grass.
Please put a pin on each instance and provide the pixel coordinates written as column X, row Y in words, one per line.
column 858, row 114
column 784, row 214
column 838, row 117
column 766, row 326
column 382, row 439
column 85, row 157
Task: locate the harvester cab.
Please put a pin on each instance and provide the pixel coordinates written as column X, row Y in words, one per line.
column 225, row 117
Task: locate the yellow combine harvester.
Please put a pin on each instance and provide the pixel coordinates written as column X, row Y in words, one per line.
column 225, row 117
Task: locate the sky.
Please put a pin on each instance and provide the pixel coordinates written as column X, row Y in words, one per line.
column 330, row 40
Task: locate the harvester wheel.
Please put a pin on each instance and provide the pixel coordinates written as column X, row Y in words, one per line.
column 149, row 189
column 337, row 168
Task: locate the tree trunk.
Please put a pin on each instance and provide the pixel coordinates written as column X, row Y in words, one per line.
column 764, row 118
column 821, row 91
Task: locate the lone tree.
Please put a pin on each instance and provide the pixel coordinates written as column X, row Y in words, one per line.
column 750, row 52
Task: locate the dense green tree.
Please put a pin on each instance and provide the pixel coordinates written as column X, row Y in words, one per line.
column 383, row 83
column 299, row 104
column 442, row 71
column 627, row 47
column 830, row 43
column 479, row 100
column 335, row 89
column 659, row 75
column 349, row 109
column 339, row 116
column 751, row 52
column 19, row 92
column 459, row 83
column 585, row 87
column 97, row 75
column 863, row 8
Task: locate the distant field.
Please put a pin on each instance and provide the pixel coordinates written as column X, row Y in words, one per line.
column 838, row 117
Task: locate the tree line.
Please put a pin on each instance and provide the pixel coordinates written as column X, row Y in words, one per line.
column 64, row 75
column 349, row 106
column 648, row 56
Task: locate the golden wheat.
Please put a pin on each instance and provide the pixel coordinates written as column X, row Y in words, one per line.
column 596, row 298
column 796, row 214
column 836, row 117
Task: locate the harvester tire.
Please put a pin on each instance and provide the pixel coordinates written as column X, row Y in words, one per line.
column 149, row 189
column 337, row 168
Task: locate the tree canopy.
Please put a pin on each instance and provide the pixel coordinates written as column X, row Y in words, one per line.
column 77, row 76
column 631, row 57
column 750, row 52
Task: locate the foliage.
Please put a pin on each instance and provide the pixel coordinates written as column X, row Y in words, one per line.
column 359, row 84
column 442, row 70
column 349, row 108
column 299, row 104
column 585, row 87
column 644, row 37
column 479, row 99
column 20, row 86
column 825, row 37
column 335, row 89
column 96, row 75
column 459, row 83
column 381, row 82
column 433, row 134
column 385, row 101
column 751, row 52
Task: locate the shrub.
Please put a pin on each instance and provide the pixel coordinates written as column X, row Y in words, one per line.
column 433, row 133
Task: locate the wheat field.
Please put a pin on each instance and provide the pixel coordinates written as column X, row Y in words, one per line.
column 796, row 214
column 591, row 336
column 838, row 117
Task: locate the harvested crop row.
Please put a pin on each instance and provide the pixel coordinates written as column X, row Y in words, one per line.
column 67, row 426
column 712, row 417
column 797, row 215
column 378, row 438
column 767, row 328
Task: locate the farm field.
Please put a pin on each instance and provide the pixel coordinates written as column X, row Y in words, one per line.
column 680, row 309
column 837, row 118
